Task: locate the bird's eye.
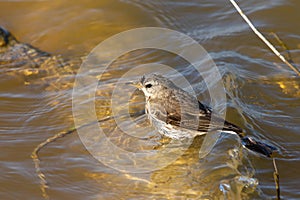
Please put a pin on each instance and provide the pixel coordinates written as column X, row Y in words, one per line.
column 149, row 85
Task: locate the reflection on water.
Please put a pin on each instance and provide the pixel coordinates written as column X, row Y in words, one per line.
column 263, row 98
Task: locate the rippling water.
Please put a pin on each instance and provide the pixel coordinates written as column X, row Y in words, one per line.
column 263, row 98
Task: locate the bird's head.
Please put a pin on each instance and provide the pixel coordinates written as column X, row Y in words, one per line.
column 153, row 85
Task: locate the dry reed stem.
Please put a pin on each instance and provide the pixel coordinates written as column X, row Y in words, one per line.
column 282, row 58
column 276, row 52
column 284, row 46
column 276, row 179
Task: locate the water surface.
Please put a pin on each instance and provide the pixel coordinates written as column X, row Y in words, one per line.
column 263, row 98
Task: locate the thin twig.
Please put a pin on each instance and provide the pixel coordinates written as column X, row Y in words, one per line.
column 36, row 160
column 282, row 58
column 35, row 153
column 284, row 46
column 276, row 179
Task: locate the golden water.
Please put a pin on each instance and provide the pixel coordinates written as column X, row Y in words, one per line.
column 263, row 98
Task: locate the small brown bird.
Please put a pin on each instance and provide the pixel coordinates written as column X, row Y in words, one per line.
column 177, row 114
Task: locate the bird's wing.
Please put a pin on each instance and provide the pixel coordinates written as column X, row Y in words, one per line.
column 202, row 121
column 187, row 114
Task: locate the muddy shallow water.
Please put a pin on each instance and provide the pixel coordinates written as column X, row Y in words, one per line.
column 262, row 97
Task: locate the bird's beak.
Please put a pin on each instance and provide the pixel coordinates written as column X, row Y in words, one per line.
column 136, row 84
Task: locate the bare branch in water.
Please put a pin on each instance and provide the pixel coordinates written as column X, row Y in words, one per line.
column 36, row 160
column 35, row 153
column 275, row 51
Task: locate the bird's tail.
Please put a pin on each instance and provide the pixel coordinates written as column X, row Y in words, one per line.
column 258, row 146
column 250, row 142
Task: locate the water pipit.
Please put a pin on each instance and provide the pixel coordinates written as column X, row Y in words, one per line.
column 177, row 114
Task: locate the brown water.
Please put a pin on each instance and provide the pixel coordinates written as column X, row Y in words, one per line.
column 263, row 97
